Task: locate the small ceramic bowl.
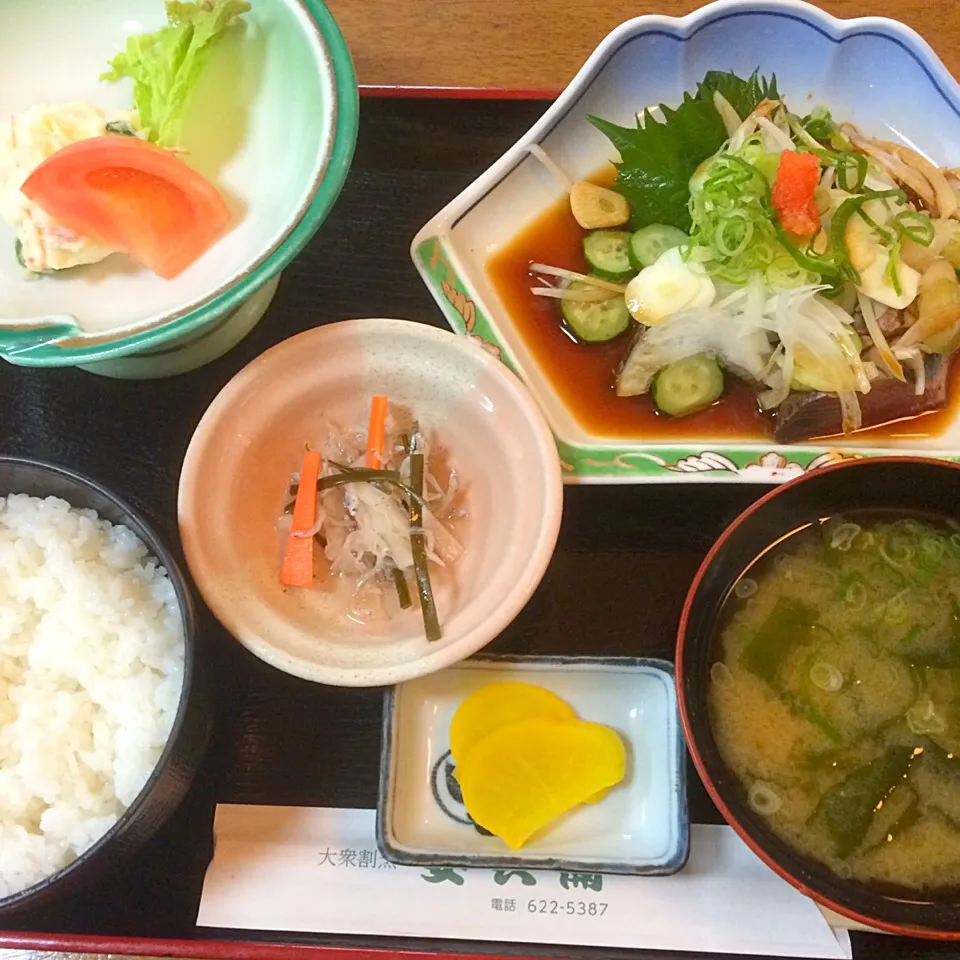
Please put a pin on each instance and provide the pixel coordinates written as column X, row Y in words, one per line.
column 640, row 828
column 234, row 485
column 180, row 761
column 272, row 123
column 875, row 72
column 900, row 484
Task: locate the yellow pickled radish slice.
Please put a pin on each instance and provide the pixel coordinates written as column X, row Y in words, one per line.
column 498, row 705
column 521, row 777
column 598, row 796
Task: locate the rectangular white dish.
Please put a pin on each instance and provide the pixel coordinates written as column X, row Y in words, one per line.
column 640, row 828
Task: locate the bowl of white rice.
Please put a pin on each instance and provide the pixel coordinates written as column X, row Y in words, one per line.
column 102, row 722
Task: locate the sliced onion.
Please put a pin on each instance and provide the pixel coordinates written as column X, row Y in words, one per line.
column 886, row 354
column 945, row 197
column 780, row 140
column 894, row 166
column 825, row 676
column 776, row 396
column 850, row 407
column 801, row 134
column 914, row 359
column 535, row 150
column 580, row 296
column 763, row 799
column 546, row 270
column 731, row 119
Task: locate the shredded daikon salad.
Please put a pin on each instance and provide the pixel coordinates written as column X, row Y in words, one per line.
column 380, row 504
column 739, row 238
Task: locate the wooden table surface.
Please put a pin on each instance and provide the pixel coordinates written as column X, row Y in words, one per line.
column 542, row 43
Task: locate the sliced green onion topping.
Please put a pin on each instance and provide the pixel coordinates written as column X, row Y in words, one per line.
column 734, row 234
column 819, row 124
column 892, row 273
column 838, row 227
column 851, row 171
column 916, row 226
column 882, row 232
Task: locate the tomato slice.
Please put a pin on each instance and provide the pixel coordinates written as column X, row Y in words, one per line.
column 132, row 196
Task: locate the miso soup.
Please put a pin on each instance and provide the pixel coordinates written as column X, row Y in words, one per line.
column 835, row 695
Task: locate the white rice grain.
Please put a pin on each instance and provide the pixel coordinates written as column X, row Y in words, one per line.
column 91, row 672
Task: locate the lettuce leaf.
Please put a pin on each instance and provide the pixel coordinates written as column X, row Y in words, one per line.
column 658, row 158
column 165, row 65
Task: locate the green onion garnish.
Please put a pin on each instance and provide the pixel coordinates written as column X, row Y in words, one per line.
column 892, row 273
column 734, row 235
column 916, row 226
column 851, row 171
column 838, row 227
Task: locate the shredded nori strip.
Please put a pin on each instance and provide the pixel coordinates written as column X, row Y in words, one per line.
column 403, row 591
column 360, row 475
column 418, row 544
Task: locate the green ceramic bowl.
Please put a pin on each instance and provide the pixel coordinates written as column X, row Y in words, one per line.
column 273, row 123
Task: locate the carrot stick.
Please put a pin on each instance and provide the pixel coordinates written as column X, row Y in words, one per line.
column 297, row 568
column 375, row 432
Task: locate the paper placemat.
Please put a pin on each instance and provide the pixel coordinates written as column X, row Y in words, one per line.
column 318, row 870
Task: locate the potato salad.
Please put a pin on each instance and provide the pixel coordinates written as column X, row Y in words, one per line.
column 26, row 140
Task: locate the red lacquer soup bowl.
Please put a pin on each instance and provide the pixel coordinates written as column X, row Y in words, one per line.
column 902, row 485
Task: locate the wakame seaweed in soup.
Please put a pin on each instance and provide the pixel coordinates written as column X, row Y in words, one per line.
column 835, row 695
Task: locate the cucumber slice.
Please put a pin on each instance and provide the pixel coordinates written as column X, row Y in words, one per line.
column 592, row 321
column 647, row 244
column 688, row 385
column 608, row 253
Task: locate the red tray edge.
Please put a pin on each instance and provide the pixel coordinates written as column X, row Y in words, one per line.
column 219, row 949
column 461, row 93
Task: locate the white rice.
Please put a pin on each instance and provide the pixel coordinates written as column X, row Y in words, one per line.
column 91, row 671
